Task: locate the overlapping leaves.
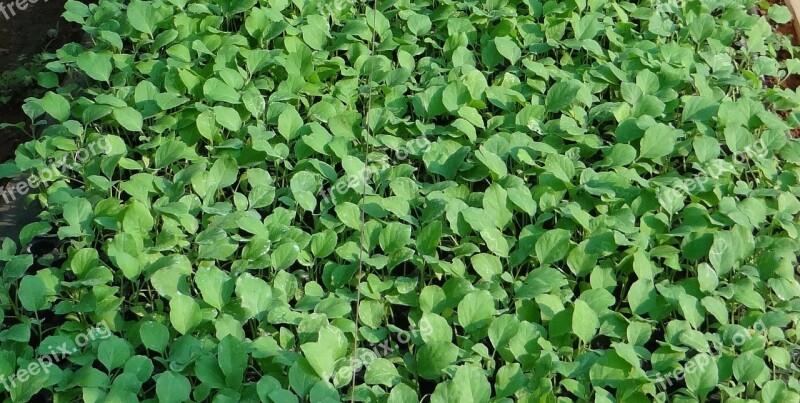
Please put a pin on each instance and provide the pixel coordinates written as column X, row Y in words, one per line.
column 563, row 199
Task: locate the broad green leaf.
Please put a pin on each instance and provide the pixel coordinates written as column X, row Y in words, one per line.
column 56, row 106
column 172, row 387
column 472, row 384
column 232, row 357
column 507, row 48
column 215, row 286
column 658, row 141
column 33, row 293
column 320, row 357
column 216, row 90
column 381, row 372
column 552, row 246
column 254, row 293
column 142, row 16
column 419, row 24
column 748, row 366
column 561, row 95
column 113, row 352
column 433, row 358
column 495, row 241
column 394, row 237
column 130, row 119
column 475, row 311
column 184, row 313
column 487, row 266
column 154, row 335
column 585, row 321
column 494, row 204
column 96, row 65
column 289, row 123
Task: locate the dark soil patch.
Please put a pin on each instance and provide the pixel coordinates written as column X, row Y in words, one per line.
column 793, row 81
column 38, row 28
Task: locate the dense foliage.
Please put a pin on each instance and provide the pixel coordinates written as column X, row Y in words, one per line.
column 569, row 200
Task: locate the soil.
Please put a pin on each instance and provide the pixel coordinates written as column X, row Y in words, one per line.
column 29, row 32
column 793, row 81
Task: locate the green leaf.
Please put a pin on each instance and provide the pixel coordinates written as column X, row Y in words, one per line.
column 707, row 278
column 253, row 101
column 495, row 241
column 478, row 219
column 349, row 214
column 721, row 254
column 779, row 13
column 216, row 90
column 560, row 166
column 507, row 48
column 403, row 393
column 381, row 372
column 56, row 106
column 738, row 138
column 232, row 357
column 141, row 16
column 255, row 294
column 284, row 256
column 706, row 148
column 33, row 293
column 471, row 384
column 748, row 366
column 227, row 117
column 172, row 387
column 561, row 95
column 114, row 352
column 493, row 162
column 419, row 24
column 323, row 243
column 698, row 108
column 429, row 237
column 433, row 358
column 154, row 335
column 522, row 198
column 289, row 122
column 215, row 286
column 394, row 237
column 585, row 321
column 184, row 313
column 658, row 141
column 96, row 65
column 552, row 246
column 316, row 32
column 494, row 204
column 137, row 219
column 475, row 311
column 305, row 186
column 434, row 328
column 487, row 266
column 509, row 379
column 692, row 310
column 320, row 357
column 130, row 119
column 171, row 151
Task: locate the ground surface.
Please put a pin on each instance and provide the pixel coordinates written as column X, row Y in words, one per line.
column 23, row 35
